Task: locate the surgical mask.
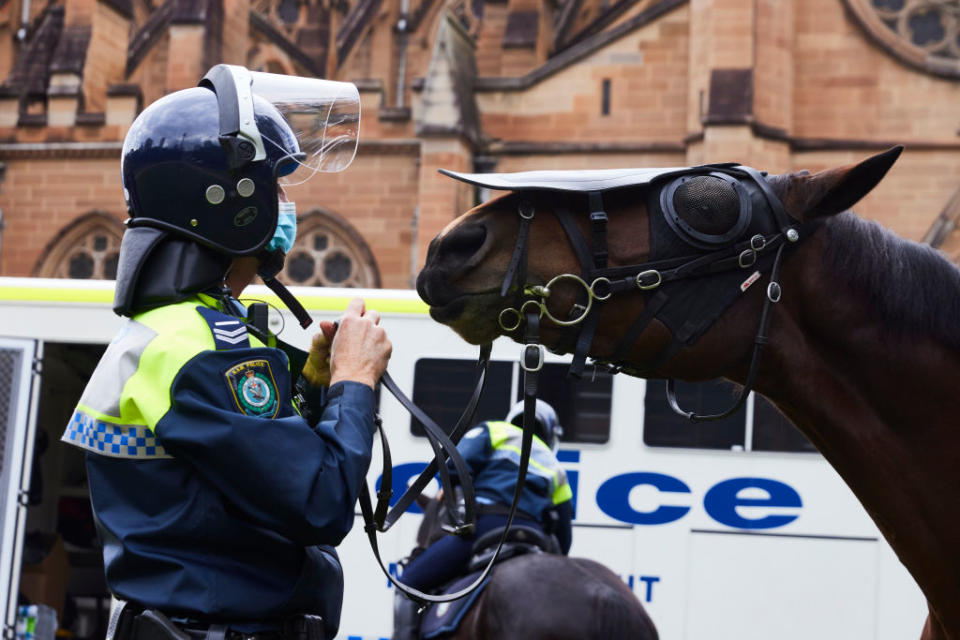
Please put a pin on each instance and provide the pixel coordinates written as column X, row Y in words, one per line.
column 286, row 232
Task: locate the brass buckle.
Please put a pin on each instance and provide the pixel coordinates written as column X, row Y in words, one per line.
column 652, row 285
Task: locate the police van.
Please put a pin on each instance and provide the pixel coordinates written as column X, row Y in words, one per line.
column 737, row 529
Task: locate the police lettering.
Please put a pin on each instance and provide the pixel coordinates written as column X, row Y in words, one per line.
column 721, row 502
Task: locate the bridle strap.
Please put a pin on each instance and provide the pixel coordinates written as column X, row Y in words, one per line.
column 442, row 447
column 518, row 261
column 532, row 362
column 463, row 424
column 772, row 297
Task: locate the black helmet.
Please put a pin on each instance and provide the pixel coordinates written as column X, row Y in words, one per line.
column 200, row 170
column 548, row 426
column 178, row 175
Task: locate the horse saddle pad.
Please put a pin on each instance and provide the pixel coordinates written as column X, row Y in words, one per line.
column 442, row 618
column 577, row 181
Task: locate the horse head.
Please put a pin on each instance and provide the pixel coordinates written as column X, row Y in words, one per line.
column 710, row 221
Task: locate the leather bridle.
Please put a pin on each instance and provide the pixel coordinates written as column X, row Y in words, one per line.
column 758, row 250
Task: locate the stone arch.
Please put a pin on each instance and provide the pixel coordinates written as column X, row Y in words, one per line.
column 87, row 248
column 329, row 252
column 924, row 34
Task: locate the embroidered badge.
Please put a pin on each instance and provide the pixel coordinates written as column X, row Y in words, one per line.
column 253, row 387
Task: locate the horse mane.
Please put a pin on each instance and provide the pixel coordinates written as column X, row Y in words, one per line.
column 913, row 286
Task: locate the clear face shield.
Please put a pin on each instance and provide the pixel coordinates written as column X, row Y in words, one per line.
column 324, row 116
column 305, row 125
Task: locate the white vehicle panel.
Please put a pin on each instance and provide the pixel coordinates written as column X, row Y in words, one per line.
column 805, row 560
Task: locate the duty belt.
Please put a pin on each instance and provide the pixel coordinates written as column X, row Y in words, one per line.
column 130, row 622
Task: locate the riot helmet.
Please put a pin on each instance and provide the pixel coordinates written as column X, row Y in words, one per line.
column 201, row 167
column 547, row 425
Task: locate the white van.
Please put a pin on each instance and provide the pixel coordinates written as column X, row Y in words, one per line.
column 729, row 530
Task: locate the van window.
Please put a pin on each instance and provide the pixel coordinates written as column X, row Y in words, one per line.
column 664, row 428
column 442, row 387
column 582, row 407
column 771, row 430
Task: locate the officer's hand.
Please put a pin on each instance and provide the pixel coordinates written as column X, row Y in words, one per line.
column 317, row 368
column 360, row 348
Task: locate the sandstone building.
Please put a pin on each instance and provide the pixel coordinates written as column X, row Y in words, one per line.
column 490, row 85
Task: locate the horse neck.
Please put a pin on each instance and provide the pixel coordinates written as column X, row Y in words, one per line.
column 881, row 406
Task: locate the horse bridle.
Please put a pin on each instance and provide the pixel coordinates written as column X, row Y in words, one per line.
column 598, row 283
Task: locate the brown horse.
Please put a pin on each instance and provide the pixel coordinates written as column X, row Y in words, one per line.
column 863, row 352
column 546, row 597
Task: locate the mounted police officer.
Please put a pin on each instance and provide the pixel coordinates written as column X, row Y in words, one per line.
column 219, row 494
column 492, row 451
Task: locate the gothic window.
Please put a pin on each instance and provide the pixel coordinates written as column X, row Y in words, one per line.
column 89, row 248
column 329, row 253
column 922, row 33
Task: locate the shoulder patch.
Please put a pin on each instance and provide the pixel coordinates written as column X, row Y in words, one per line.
column 228, row 332
column 253, row 388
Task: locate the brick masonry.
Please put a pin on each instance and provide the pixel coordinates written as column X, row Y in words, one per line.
column 812, row 91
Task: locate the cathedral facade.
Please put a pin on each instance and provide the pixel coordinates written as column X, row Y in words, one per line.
column 478, row 85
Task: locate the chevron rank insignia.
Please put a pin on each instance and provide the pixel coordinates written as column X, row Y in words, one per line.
column 228, row 331
column 253, row 388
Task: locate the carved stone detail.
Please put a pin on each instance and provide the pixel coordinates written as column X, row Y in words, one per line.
column 88, row 249
column 329, row 252
column 923, row 33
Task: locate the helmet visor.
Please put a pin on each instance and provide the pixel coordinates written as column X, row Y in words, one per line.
column 324, row 115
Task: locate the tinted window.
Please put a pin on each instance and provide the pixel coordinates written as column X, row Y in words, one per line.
column 664, row 428
column 772, row 431
column 442, row 388
column 582, row 407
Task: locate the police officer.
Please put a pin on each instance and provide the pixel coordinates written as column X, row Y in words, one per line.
column 218, row 494
column 492, row 451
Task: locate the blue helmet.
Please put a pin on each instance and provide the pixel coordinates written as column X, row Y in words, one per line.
column 547, row 425
column 182, row 175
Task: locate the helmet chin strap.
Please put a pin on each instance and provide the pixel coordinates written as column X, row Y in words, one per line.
column 271, row 262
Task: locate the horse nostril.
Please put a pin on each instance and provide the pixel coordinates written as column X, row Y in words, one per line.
column 463, row 242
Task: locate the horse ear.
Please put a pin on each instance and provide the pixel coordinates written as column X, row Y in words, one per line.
column 845, row 186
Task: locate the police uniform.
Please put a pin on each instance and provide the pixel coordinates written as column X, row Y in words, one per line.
column 214, row 498
column 492, row 451
column 217, row 499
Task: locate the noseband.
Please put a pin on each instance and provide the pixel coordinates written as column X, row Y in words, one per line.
column 756, row 250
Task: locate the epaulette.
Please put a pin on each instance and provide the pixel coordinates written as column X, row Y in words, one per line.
column 228, row 331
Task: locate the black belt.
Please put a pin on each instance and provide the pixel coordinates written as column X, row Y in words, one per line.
column 133, row 623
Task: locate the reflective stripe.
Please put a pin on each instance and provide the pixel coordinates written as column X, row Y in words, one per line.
column 506, row 440
column 181, row 334
column 509, row 452
column 118, row 364
column 110, row 439
column 323, row 303
column 35, row 293
column 42, row 294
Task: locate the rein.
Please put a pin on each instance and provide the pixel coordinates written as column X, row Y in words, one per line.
column 379, row 519
column 597, row 283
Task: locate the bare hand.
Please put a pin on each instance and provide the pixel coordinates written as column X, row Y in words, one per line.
column 360, row 349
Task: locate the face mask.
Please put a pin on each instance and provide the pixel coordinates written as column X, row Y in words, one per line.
column 286, row 231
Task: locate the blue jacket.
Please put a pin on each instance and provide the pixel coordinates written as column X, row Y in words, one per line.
column 214, row 498
column 492, row 451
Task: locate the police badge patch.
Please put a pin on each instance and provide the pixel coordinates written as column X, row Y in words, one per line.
column 253, row 388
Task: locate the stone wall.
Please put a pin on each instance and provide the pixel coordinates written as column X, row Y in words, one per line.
column 780, row 84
